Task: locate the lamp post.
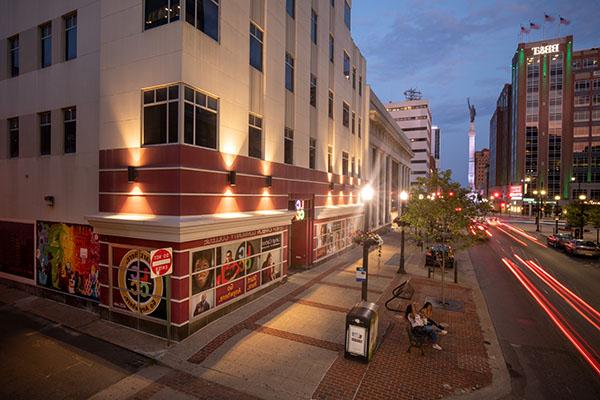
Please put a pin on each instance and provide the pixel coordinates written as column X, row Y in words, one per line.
column 582, row 198
column 539, row 195
column 367, row 194
column 403, row 198
column 556, row 199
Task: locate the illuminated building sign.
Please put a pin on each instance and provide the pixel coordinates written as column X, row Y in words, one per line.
column 549, row 49
column 516, row 192
column 299, row 206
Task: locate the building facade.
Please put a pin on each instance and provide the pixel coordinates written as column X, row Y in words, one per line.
column 482, row 161
column 390, row 155
column 234, row 133
column 414, row 118
column 436, row 142
column 500, row 131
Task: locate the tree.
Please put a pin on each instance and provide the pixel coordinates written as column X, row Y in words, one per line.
column 577, row 216
column 594, row 219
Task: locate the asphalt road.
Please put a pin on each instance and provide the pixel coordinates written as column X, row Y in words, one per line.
column 42, row 360
column 542, row 361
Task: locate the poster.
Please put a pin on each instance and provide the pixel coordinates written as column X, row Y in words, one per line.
column 203, row 273
column 231, row 265
column 229, row 292
column 67, row 257
column 271, row 257
column 17, row 249
column 334, row 236
column 203, row 302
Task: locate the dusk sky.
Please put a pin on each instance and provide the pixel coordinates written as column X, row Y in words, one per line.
column 451, row 50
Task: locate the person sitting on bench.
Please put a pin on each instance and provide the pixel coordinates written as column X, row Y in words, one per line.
column 419, row 326
column 426, row 313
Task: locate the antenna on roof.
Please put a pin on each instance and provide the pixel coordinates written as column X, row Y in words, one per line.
column 412, row 94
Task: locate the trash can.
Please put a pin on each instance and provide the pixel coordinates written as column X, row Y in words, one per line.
column 361, row 331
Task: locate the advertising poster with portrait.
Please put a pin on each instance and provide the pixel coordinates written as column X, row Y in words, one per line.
column 67, row 257
column 203, row 281
column 271, row 258
column 137, row 292
column 334, row 236
column 231, row 266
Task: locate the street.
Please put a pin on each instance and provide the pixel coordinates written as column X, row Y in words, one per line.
column 43, row 360
column 544, row 305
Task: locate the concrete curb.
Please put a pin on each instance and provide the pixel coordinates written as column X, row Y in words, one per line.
column 501, row 385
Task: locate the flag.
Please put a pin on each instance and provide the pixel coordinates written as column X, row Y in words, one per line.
column 548, row 18
column 564, row 21
column 533, row 25
column 524, row 30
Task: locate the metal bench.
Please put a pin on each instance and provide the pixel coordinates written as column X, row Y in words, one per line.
column 415, row 340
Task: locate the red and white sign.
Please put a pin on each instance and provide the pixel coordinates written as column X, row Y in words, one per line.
column 161, row 262
column 516, row 192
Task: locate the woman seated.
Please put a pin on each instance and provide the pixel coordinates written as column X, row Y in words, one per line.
column 426, row 313
column 419, row 325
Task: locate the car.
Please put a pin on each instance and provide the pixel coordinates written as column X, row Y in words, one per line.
column 558, row 240
column 582, row 248
column 479, row 231
column 492, row 221
column 433, row 257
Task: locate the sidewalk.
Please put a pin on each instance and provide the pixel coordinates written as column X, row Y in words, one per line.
column 289, row 343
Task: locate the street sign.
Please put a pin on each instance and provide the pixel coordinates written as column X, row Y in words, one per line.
column 361, row 275
column 161, row 262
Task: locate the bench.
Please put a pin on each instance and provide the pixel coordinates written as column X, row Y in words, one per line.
column 415, row 340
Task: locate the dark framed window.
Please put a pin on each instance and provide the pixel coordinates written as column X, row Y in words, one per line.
column 352, row 167
column 332, row 2
column 353, row 77
column 13, row 55
column 358, row 172
column 161, row 115
column 347, row 14
column 313, row 90
column 331, row 48
column 289, row 72
column 160, row 12
column 330, row 159
column 46, row 45
column 256, row 46
column 13, row 137
column 70, row 129
column 330, row 105
column 346, row 115
column 254, row 136
column 360, row 85
column 45, row 133
column 312, row 153
column 204, row 15
column 70, row 36
column 353, row 122
column 359, row 127
column 290, row 7
column 199, row 118
column 344, row 163
column 313, row 26
column 346, row 65
column 288, row 156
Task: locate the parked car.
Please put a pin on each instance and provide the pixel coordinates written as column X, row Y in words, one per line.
column 582, row 248
column 435, row 254
column 558, row 240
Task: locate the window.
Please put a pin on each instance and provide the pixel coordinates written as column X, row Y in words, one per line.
column 596, row 84
column 312, row 153
column 331, row 48
column 45, row 133
column 329, row 159
column 347, row 16
column 353, row 77
column 288, row 146
column 352, row 166
column 13, row 55
column 330, row 105
column 346, row 65
column 70, row 36
column 254, row 136
column 596, row 100
column 359, row 127
column 13, row 137
column 346, row 115
column 531, row 151
column 46, row 45
column 332, row 3
column 70, row 126
column 360, row 85
column 581, row 131
column 581, row 116
column 353, row 122
column 582, row 100
column 161, row 115
column 313, row 90
column 289, row 72
column 344, row 163
column 160, row 12
column 359, row 172
column 199, row 119
column 290, row 7
column 595, row 115
column 313, row 26
column 204, row 15
column 582, row 86
column 256, row 46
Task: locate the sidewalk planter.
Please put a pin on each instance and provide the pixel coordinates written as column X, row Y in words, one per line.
column 362, row 322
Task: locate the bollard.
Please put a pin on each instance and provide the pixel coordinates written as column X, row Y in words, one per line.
column 455, row 271
column 429, row 272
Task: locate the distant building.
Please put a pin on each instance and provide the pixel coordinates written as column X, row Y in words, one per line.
column 500, row 129
column 482, row 159
column 414, row 117
column 435, row 143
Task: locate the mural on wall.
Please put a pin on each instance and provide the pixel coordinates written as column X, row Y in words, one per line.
column 67, row 257
column 17, row 249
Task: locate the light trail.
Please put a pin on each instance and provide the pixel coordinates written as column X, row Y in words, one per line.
column 514, row 237
column 565, row 293
column 555, row 316
column 524, row 234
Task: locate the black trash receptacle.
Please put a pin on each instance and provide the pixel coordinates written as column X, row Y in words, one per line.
column 361, row 331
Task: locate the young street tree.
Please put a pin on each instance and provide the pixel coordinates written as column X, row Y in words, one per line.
column 577, row 216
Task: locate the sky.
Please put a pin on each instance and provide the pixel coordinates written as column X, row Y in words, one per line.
column 454, row 49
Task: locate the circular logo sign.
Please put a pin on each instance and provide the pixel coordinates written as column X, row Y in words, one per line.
column 139, row 291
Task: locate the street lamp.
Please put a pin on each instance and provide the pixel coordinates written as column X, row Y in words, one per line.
column 403, row 199
column 582, row 198
column 539, row 195
column 366, row 194
column 556, row 199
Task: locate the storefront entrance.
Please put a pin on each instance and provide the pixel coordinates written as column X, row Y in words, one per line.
column 301, row 231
